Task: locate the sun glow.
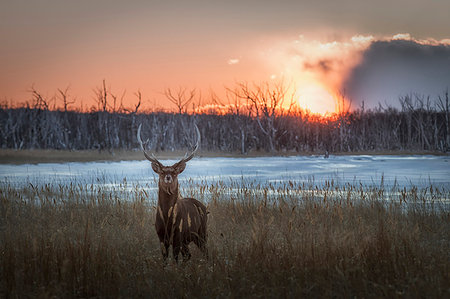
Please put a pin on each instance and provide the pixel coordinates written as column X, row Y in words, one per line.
column 316, row 98
column 316, row 67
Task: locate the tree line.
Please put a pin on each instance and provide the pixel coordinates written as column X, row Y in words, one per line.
column 256, row 119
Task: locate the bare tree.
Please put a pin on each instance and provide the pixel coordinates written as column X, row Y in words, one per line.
column 444, row 105
column 65, row 130
column 102, row 97
column 181, row 98
column 38, row 100
column 252, row 118
column 138, row 94
column 267, row 103
column 417, row 111
column 65, row 98
column 343, row 111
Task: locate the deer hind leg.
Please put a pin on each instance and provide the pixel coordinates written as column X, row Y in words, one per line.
column 200, row 241
column 185, row 252
column 180, row 246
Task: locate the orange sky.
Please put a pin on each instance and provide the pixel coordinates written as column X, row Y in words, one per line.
column 154, row 45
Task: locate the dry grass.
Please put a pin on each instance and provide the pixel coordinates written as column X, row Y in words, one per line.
column 264, row 241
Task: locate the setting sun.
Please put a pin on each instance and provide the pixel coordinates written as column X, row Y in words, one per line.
column 315, row 98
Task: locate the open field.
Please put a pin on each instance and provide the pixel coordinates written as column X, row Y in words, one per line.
column 285, row 241
column 10, row 156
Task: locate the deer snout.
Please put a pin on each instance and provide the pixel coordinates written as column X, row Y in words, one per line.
column 168, row 179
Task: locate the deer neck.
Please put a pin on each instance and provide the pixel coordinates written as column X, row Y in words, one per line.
column 167, row 200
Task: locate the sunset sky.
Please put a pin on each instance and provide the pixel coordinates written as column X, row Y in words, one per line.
column 373, row 51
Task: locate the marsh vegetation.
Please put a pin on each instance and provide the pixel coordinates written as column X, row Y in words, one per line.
column 265, row 240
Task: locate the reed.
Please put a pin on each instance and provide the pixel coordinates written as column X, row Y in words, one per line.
column 265, row 240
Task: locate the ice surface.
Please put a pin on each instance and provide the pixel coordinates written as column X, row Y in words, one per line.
column 367, row 170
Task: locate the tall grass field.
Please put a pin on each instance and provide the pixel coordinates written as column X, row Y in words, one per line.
column 267, row 240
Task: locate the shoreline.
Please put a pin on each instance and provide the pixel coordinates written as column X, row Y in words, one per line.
column 10, row 156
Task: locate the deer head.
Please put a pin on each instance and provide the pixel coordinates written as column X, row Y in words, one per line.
column 168, row 175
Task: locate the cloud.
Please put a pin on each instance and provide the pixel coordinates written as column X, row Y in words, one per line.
column 394, row 67
column 322, row 65
column 361, row 39
column 364, row 68
column 233, row 61
column 404, row 36
column 310, row 60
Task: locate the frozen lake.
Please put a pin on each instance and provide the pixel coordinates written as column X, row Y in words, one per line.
column 367, row 170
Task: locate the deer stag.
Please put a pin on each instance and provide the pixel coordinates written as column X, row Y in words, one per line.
column 179, row 221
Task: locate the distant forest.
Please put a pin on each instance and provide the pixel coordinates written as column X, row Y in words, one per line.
column 259, row 124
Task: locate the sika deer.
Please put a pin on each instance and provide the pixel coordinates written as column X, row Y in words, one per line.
column 179, row 221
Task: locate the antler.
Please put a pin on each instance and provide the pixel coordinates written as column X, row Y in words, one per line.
column 151, row 157
column 189, row 156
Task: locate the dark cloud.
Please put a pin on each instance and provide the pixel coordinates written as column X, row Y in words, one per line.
column 323, row 65
column 390, row 69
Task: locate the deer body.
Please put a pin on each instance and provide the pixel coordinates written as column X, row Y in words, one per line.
column 179, row 221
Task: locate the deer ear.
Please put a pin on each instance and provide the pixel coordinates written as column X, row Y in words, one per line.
column 156, row 167
column 179, row 167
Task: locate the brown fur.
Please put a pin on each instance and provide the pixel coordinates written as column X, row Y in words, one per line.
column 179, row 221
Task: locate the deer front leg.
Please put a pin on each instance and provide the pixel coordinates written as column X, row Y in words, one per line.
column 163, row 242
column 165, row 249
column 176, row 251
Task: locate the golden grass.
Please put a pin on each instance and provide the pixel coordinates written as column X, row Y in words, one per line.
column 264, row 241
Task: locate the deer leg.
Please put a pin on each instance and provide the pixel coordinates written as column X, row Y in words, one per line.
column 201, row 244
column 176, row 252
column 164, row 242
column 185, row 252
column 200, row 241
column 176, row 246
column 165, row 249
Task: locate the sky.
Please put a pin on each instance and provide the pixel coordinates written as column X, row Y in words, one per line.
column 371, row 51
